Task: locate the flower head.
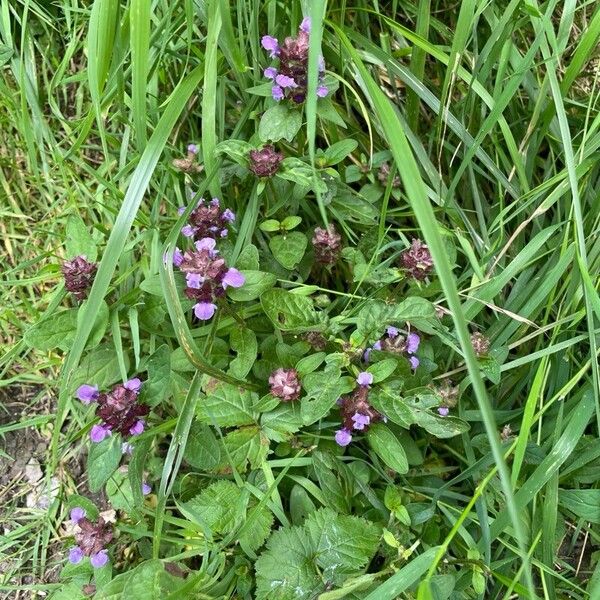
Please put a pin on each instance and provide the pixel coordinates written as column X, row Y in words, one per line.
column 480, row 344
column 327, row 244
column 343, row 437
column 392, row 332
column 207, row 220
column 384, row 174
column 356, row 411
column 91, row 539
column 79, row 275
column 265, row 162
column 285, row 384
column 417, row 260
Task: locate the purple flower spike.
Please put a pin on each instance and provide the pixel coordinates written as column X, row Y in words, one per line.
column 188, row 231
column 392, row 332
column 285, row 82
column 414, row 362
column 228, row 215
column 194, row 280
column 343, row 437
column 87, row 393
column 277, row 92
column 322, row 91
column 98, row 433
column 133, row 384
column 192, row 149
column 270, row 44
column 305, row 25
column 233, row 278
column 99, row 559
column 412, row 343
column 75, row 555
column 206, row 244
column 138, row 428
column 360, row 421
column 270, row 72
column 77, row 513
column 444, row 411
column 205, row 310
column 146, row 489
column 364, row 379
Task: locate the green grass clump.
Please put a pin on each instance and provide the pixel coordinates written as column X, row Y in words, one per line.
column 472, row 128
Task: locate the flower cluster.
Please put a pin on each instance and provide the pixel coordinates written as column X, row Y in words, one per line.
column 356, row 412
column 480, row 344
column 207, row 276
column 285, row 384
column 265, row 162
column 398, row 343
column 189, row 164
column 417, row 260
column 92, row 539
column 327, row 244
column 449, row 395
column 79, row 275
column 384, row 174
column 207, row 220
column 290, row 77
column 119, row 409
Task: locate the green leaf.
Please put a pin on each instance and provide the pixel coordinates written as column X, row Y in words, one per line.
column 281, row 423
column 227, row 405
column 270, row 225
column 6, row 53
column 55, row 332
column 215, row 507
column 257, row 282
column 202, row 450
column 337, row 152
column 99, row 367
column 261, row 520
column 585, row 504
column 290, row 223
column 237, row 150
column 289, row 249
column 383, row 369
column 387, row 447
column 279, row 122
column 323, row 389
column 246, row 446
column 248, row 259
column 290, row 312
column 157, row 385
column 243, row 343
column 103, row 460
column 118, row 490
column 78, row 241
column 310, row 363
column 100, row 325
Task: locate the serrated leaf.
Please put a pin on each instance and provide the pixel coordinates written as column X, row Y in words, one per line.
column 281, row 423
column 289, row 249
column 243, row 343
column 215, row 507
column 261, row 522
column 257, row 282
column 103, row 460
column 279, row 122
column 227, row 405
column 385, row 444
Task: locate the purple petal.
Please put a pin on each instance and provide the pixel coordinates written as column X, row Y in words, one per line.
column 233, row 278
column 146, row 489
column 228, row 216
column 188, row 231
column 224, row 233
column 87, row 393
column 412, row 343
column 360, row 421
column 277, row 92
column 99, row 559
column 181, row 210
column 126, row 448
column 133, row 384
column 98, row 433
column 77, row 513
column 206, row 244
column 377, row 345
column 192, row 149
column 367, row 354
column 322, row 91
column 270, row 44
column 343, row 437
column 215, row 202
column 194, row 280
column 414, row 362
column 270, row 72
column 305, row 25
column 177, row 257
column 392, row 332
column 205, row 310
column 75, row 555
column 285, row 82
column 443, row 411
column 364, row 378
column 138, row 428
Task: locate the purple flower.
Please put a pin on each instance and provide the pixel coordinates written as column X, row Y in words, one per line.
column 322, row 91
column 233, row 278
column 364, row 379
column 443, row 411
column 224, row 233
column 205, row 310
column 270, row 72
column 305, row 25
column 77, row 513
column 343, row 437
column 98, row 433
column 377, row 345
column 146, row 489
column 194, row 280
column 99, row 559
column 360, row 421
column 177, row 257
column 181, row 210
column 138, row 428
column 75, row 555
column 188, row 231
column 270, row 44
column 392, row 332
column 277, row 92
column 414, row 362
column 228, row 215
column 367, row 354
column 285, row 384
column 285, row 82
column 412, row 343
column 79, row 275
column 215, row 202
column 87, row 393
column 192, row 149
column 133, row 384
column 207, row 244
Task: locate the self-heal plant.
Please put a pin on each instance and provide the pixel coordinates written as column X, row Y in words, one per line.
column 327, row 245
column 285, row 384
column 417, row 261
column 398, row 343
column 91, row 539
column 264, row 162
column 290, row 76
column 79, row 275
column 119, row 410
column 208, row 220
column 207, row 277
